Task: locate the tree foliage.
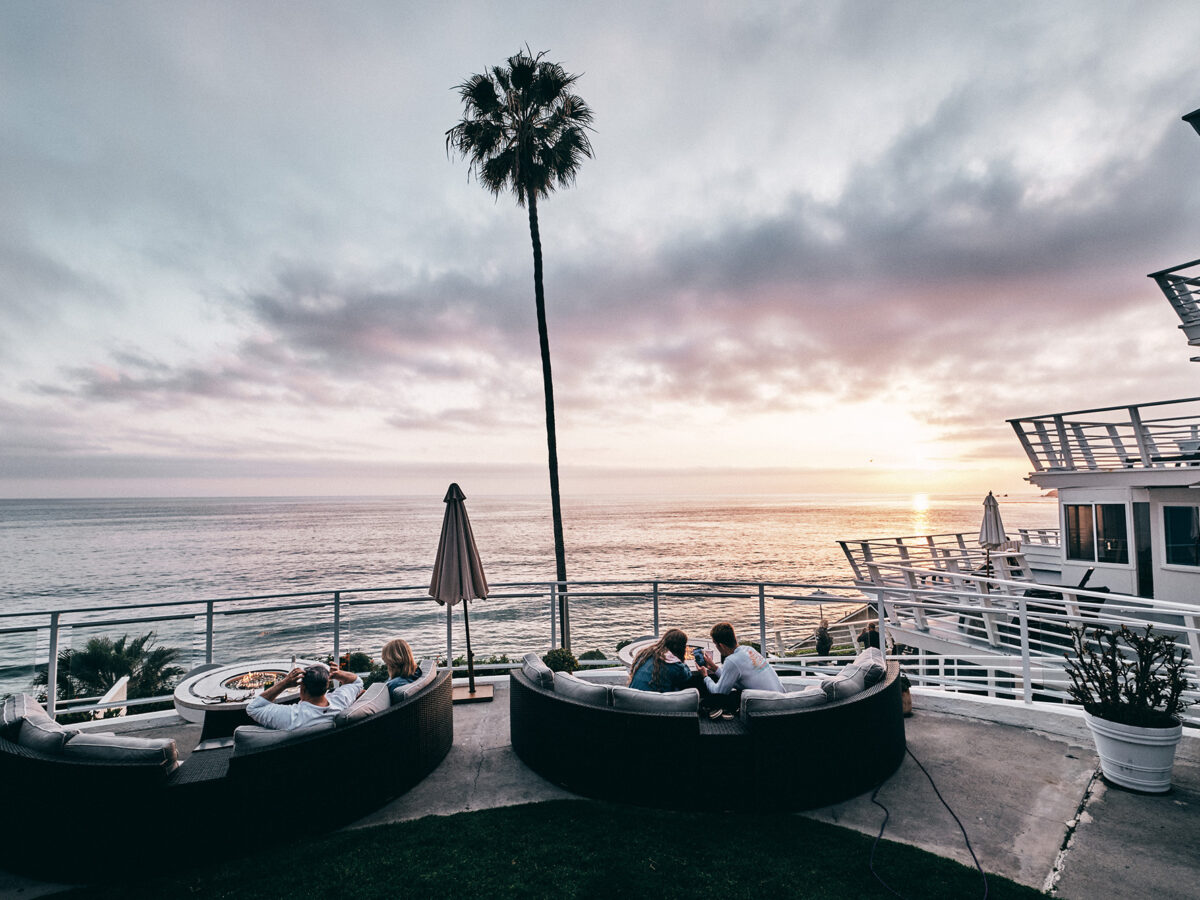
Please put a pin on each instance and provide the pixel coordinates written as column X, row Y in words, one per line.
column 523, row 128
column 91, row 670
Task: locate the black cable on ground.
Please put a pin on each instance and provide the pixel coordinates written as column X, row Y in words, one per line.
column 887, row 815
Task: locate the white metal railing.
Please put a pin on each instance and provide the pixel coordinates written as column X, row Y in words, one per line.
column 1144, row 436
column 1181, row 286
column 1049, row 538
column 999, row 636
column 1008, row 637
column 942, row 559
column 270, row 624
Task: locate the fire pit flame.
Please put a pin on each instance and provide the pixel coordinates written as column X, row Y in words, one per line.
column 253, row 681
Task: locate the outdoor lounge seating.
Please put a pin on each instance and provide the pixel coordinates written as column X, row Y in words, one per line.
column 786, row 751
column 239, row 796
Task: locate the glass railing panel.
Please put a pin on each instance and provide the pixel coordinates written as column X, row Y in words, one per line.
column 274, row 629
column 368, row 621
column 94, row 655
column 22, row 657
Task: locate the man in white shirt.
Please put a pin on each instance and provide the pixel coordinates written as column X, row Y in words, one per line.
column 316, row 700
column 742, row 668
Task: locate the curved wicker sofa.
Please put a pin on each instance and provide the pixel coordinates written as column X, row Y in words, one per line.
column 782, row 760
column 218, row 801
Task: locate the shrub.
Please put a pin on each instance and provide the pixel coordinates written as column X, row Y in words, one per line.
column 592, row 654
column 561, row 660
column 1141, row 685
column 356, row 662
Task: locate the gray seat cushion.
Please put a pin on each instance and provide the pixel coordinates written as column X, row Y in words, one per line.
column 687, row 700
column 568, row 685
column 109, row 747
column 755, row 702
column 537, row 671
column 374, row 699
column 254, row 738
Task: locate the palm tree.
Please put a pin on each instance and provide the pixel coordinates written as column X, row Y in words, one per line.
column 524, row 130
column 101, row 662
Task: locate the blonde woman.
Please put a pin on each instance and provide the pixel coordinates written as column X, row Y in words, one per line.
column 660, row 667
column 402, row 668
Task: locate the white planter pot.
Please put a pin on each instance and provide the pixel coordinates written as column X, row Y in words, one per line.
column 1137, row 758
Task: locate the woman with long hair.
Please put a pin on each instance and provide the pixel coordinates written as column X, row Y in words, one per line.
column 402, row 668
column 660, row 667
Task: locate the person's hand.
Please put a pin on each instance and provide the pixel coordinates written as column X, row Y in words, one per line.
column 293, row 677
column 343, row 677
column 708, row 661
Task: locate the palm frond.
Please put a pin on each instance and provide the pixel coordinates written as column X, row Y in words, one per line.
column 523, row 129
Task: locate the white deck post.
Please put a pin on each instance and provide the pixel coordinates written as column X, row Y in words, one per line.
column 1026, row 673
column 52, row 666
column 762, row 618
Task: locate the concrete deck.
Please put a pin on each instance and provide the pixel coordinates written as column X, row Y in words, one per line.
column 1029, row 799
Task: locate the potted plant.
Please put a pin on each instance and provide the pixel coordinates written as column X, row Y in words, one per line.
column 1130, row 686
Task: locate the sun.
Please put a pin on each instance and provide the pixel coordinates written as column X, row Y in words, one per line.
column 920, row 503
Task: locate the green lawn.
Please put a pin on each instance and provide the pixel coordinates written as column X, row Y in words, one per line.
column 576, row 848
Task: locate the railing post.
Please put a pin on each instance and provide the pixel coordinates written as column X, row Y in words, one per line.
column 1141, row 437
column 52, row 667
column 208, row 633
column 337, row 627
column 655, row 609
column 1064, row 443
column 762, row 619
column 1026, row 667
column 553, row 616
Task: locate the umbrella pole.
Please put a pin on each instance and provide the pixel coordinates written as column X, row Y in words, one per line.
column 470, row 655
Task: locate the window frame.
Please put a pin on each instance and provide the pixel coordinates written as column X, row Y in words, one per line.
column 1167, row 561
column 1095, row 537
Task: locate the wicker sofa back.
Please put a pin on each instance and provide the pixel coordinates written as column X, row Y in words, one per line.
column 329, row 778
column 797, row 759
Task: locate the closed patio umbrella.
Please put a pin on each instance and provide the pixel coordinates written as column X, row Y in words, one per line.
column 991, row 530
column 458, row 575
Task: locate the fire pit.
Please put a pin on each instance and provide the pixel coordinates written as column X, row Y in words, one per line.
column 231, row 687
column 254, row 681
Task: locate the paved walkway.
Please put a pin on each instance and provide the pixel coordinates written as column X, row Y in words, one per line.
column 1030, row 802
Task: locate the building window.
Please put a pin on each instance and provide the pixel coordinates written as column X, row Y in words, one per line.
column 1181, row 525
column 1097, row 532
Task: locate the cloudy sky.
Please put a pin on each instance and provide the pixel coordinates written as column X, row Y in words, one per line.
column 821, row 247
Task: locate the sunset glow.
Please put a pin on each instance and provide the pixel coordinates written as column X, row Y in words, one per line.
column 819, row 248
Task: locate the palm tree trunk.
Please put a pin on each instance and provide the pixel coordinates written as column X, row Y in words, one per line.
column 560, row 555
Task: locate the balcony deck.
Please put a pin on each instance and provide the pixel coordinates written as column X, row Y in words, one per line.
column 1151, row 443
column 1023, row 781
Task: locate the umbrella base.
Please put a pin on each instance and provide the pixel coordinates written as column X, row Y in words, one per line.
column 484, row 693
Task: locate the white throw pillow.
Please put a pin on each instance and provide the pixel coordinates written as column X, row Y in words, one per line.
column 568, row 685
column 374, row 699
column 15, row 710
column 43, row 734
column 850, row 681
column 428, row 669
column 870, row 655
column 687, row 700
column 537, row 671
column 754, row 702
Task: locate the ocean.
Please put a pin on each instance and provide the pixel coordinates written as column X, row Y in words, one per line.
column 68, row 554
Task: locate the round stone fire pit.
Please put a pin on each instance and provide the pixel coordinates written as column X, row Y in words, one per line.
column 232, row 687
